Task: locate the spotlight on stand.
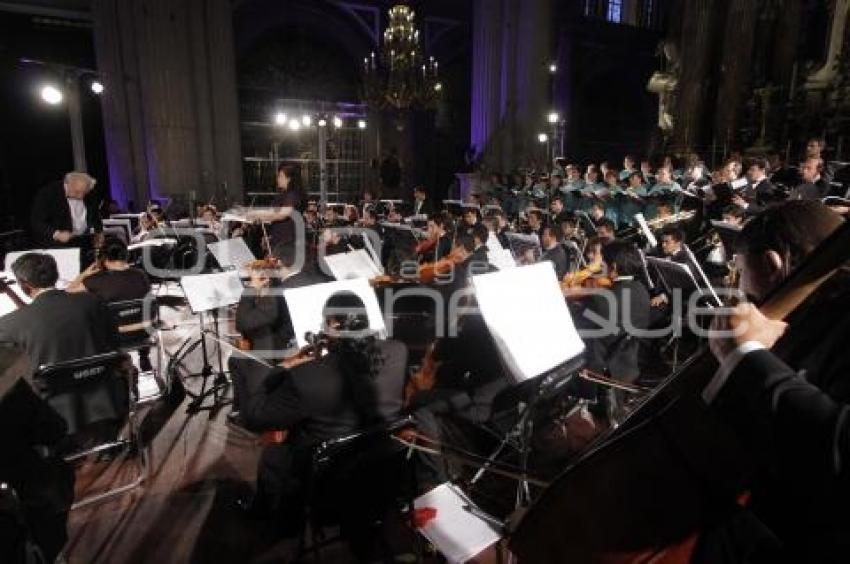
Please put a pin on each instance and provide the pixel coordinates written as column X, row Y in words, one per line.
column 542, row 137
column 51, row 95
column 97, row 87
column 337, row 122
column 361, row 123
column 280, row 118
column 553, row 117
column 306, row 120
column 553, row 68
column 323, row 122
column 294, row 124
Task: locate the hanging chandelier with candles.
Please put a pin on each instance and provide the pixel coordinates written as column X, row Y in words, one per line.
column 400, row 76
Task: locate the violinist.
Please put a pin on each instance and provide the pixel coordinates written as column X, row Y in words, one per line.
column 438, row 242
column 554, row 251
column 111, row 277
column 355, row 385
column 421, row 203
column 615, row 352
column 605, row 230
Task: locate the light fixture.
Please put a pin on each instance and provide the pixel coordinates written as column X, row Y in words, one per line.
column 361, row 123
column 553, row 117
column 280, row 118
column 51, row 95
column 337, row 122
column 542, row 137
column 438, row 86
column 294, row 124
column 553, row 68
column 97, row 87
column 306, row 120
column 323, row 122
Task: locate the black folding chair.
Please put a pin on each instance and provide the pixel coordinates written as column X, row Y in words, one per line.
column 138, row 329
column 354, row 482
column 93, row 395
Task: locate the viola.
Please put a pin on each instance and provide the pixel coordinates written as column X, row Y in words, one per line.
column 590, row 277
column 428, row 272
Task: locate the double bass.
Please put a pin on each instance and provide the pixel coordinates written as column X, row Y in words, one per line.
column 671, row 470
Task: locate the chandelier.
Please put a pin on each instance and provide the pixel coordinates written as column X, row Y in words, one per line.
column 400, row 76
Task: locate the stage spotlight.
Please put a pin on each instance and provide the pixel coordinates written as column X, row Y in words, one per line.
column 306, row 120
column 97, row 87
column 361, row 123
column 337, row 122
column 51, row 95
column 280, row 118
column 553, row 68
column 542, row 137
column 294, row 124
column 323, row 122
column 438, row 86
column 553, row 117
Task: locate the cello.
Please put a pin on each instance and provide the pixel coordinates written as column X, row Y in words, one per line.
column 672, row 469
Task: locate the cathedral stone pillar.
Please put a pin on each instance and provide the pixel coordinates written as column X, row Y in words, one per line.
column 170, row 109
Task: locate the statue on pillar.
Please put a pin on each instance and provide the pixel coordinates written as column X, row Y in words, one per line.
column 664, row 83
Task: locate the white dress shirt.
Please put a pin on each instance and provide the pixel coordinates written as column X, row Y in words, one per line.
column 78, row 216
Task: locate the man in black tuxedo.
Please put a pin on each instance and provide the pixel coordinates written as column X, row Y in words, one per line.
column 62, row 215
column 814, row 186
column 760, row 192
column 57, row 326
column 421, row 202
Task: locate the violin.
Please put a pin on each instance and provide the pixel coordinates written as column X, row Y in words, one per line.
column 589, row 277
column 428, row 272
column 425, row 378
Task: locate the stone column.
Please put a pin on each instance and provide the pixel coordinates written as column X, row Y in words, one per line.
column 735, row 69
column 486, row 69
column 170, row 109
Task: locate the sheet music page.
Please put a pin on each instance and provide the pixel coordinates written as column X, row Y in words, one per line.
column 205, row 292
column 305, row 305
column 647, row 232
column 67, row 262
column 353, row 264
column 528, row 318
column 231, row 252
column 457, row 533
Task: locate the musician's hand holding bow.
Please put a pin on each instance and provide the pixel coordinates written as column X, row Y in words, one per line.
column 62, row 236
column 741, row 324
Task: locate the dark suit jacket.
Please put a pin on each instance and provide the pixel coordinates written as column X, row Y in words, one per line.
column 313, row 401
column 558, row 256
column 617, row 351
column 760, row 195
column 801, row 437
column 50, row 212
column 59, row 326
column 426, row 209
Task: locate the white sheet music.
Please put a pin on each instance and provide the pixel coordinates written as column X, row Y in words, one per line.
column 306, row 304
column 206, row 292
column 647, row 232
column 67, row 262
column 458, row 533
column 528, row 318
column 354, row 264
column 151, row 243
column 232, row 252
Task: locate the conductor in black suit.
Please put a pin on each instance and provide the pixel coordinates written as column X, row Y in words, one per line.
column 56, row 326
column 63, row 213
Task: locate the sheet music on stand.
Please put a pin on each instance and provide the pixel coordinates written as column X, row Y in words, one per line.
column 459, row 530
column 528, row 318
column 674, row 275
column 206, row 292
column 497, row 255
column 353, row 264
column 644, row 228
column 232, row 253
column 306, row 305
column 67, row 262
column 521, row 242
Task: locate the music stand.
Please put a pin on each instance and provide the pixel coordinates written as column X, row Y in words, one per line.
column 207, row 293
column 532, row 328
column 231, row 253
column 521, row 242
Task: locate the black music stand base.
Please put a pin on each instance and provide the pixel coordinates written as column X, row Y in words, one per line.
column 220, row 384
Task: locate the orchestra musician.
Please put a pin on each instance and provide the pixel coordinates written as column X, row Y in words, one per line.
column 288, row 201
column 355, row 385
column 553, row 250
column 421, row 202
column 788, row 405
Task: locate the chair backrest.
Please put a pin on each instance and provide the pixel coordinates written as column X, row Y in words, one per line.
column 135, row 320
column 117, row 232
column 87, row 391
